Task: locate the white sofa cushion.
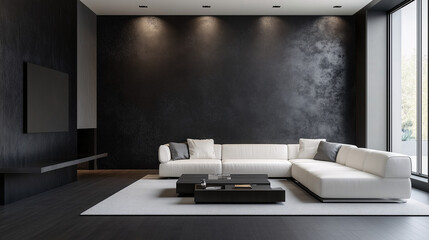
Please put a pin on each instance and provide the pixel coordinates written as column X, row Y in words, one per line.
column 308, row 147
column 254, row 151
column 218, row 151
column 308, row 165
column 332, row 180
column 272, row 167
column 303, row 161
column 293, row 150
column 356, row 158
column 343, row 153
column 164, row 154
column 190, row 166
column 201, row 148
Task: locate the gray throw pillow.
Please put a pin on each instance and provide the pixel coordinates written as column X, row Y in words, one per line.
column 327, row 151
column 179, row 151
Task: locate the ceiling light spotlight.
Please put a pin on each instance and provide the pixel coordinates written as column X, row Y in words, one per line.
column 143, row 6
column 337, row 6
column 206, row 6
column 277, row 6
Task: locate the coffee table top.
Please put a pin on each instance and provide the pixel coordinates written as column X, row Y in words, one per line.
column 235, row 179
column 261, row 191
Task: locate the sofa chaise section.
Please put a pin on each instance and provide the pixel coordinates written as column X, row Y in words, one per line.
column 357, row 174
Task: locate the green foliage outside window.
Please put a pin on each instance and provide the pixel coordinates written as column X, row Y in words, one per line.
column 409, row 98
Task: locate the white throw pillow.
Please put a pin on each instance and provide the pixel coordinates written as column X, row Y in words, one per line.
column 201, row 148
column 308, row 148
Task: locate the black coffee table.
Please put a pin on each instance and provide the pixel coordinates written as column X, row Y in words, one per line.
column 261, row 191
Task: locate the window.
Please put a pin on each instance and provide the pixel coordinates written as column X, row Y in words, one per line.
column 409, row 83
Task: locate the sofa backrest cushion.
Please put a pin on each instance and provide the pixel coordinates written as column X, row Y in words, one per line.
column 201, row 148
column 308, row 147
column 292, row 150
column 164, row 154
column 343, row 153
column 356, row 158
column 254, row 151
column 380, row 163
column 218, row 151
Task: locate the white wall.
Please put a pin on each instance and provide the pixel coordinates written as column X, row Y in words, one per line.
column 376, row 81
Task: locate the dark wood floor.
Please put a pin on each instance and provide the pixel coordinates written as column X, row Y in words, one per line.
column 55, row 215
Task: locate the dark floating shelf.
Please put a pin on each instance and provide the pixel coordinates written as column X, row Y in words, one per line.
column 48, row 166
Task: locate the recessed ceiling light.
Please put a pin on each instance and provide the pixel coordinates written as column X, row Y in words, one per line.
column 143, row 6
column 206, row 6
column 338, row 6
column 276, row 6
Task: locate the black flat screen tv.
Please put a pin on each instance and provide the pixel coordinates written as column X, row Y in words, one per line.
column 47, row 100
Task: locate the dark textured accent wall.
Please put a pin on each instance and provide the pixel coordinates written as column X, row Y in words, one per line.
column 233, row 79
column 41, row 32
column 86, row 68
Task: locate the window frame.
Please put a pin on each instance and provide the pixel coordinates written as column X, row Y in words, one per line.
column 419, row 73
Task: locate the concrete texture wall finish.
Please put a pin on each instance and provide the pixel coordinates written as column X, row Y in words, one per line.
column 234, row 79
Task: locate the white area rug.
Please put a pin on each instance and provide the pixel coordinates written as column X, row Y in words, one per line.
column 158, row 197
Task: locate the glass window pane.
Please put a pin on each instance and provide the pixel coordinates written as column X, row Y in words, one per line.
column 404, row 82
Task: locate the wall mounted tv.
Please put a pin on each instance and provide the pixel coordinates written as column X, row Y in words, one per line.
column 47, row 100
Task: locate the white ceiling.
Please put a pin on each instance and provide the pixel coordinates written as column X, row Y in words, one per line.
column 225, row 7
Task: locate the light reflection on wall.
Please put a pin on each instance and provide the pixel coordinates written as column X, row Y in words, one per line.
column 332, row 26
column 270, row 33
column 150, row 37
column 207, row 33
column 151, row 30
column 269, row 25
column 207, row 28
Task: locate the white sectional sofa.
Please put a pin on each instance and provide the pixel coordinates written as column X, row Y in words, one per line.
column 357, row 175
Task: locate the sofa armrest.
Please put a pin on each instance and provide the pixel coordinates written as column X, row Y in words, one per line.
column 398, row 167
column 164, row 154
column 388, row 164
